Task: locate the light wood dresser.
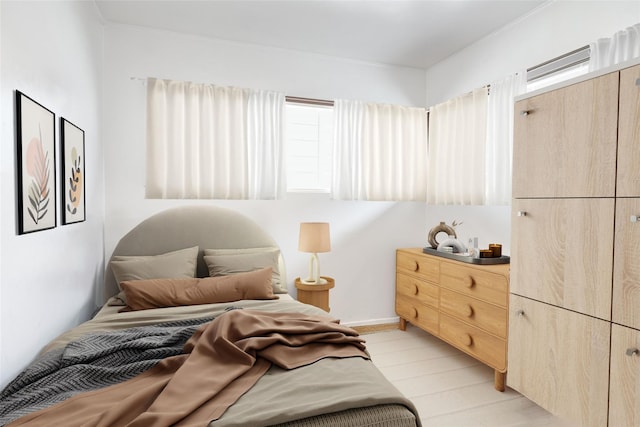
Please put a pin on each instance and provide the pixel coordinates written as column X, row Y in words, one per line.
column 464, row 304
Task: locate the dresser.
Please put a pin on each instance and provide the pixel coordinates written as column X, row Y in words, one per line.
column 464, row 304
column 574, row 327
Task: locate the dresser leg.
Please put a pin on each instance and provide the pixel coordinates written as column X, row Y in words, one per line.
column 403, row 324
column 499, row 380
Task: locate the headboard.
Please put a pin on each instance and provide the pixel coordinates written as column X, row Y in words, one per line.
column 209, row 227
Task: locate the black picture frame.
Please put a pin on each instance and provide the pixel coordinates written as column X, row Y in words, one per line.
column 36, row 165
column 72, row 165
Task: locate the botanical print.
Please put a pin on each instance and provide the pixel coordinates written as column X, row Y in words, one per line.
column 73, row 188
column 38, row 168
column 75, row 183
column 36, row 165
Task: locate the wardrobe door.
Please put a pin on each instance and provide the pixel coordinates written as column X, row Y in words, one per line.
column 629, row 134
column 560, row 360
column 562, row 253
column 565, row 141
column 626, row 271
column 624, row 399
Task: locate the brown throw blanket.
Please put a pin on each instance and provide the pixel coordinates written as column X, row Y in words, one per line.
column 222, row 360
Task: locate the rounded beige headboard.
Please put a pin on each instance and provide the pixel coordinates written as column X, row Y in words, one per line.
column 209, row 227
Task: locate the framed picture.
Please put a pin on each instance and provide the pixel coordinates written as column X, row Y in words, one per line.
column 35, row 140
column 72, row 165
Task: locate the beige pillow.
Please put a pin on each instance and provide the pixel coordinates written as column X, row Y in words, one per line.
column 156, row 293
column 222, row 262
column 171, row 265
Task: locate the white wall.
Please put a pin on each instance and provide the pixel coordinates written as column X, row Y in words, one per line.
column 554, row 29
column 51, row 51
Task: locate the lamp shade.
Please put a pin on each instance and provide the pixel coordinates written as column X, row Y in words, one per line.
column 314, row 237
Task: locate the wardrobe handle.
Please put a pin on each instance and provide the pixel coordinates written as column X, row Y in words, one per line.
column 524, row 112
column 632, row 352
column 637, row 82
column 520, row 313
column 522, row 213
column 634, row 218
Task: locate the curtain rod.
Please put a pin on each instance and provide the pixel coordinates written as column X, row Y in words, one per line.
column 294, row 99
column 310, row 101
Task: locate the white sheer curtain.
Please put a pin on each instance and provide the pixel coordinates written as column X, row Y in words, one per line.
column 499, row 145
column 380, row 152
column 348, row 126
column 622, row 46
column 265, row 137
column 457, row 150
column 212, row 142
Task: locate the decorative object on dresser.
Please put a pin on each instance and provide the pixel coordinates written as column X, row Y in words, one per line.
column 314, row 238
column 575, row 282
column 461, row 303
column 441, row 228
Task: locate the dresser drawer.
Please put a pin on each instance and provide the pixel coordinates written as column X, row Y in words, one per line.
column 412, row 287
column 422, row 266
column 480, row 284
column 420, row 315
column 488, row 317
column 482, row 345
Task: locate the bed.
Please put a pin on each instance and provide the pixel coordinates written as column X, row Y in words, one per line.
column 316, row 373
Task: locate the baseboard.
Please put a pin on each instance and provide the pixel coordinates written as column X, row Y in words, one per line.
column 372, row 329
column 375, row 325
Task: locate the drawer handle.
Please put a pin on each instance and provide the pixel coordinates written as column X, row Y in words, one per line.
column 468, row 310
column 520, row 313
column 415, row 313
column 467, row 340
column 416, row 266
column 632, row 352
column 415, row 289
column 524, row 112
column 634, row 218
column 469, row 282
column 522, row 213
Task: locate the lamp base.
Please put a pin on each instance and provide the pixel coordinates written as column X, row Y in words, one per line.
column 310, row 281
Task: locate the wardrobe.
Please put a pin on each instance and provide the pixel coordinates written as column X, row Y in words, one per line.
column 574, row 316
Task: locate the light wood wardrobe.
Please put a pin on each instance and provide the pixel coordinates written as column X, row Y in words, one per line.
column 574, row 322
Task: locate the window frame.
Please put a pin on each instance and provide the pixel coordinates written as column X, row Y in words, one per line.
column 305, row 102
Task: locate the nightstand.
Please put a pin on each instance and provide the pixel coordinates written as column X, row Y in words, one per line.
column 317, row 295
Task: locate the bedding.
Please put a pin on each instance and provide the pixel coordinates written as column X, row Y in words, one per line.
column 222, row 262
column 118, row 348
column 158, row 293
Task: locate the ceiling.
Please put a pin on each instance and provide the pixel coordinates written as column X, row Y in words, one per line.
column 413, row 33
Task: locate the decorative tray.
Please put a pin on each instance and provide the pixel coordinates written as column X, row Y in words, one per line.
column 465, row 258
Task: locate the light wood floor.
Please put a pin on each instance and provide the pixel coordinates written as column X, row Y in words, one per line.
column 449, row 388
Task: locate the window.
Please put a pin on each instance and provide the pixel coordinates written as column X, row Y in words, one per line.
column 309, row 137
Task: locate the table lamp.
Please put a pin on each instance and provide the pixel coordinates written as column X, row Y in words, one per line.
column 314, row 238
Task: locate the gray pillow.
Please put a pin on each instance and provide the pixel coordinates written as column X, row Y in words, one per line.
column 171, row 265
column 223, row 262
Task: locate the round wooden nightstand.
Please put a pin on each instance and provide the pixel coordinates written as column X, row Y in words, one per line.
column 317, row 295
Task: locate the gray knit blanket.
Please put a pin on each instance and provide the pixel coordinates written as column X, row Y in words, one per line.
column 92, row 362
